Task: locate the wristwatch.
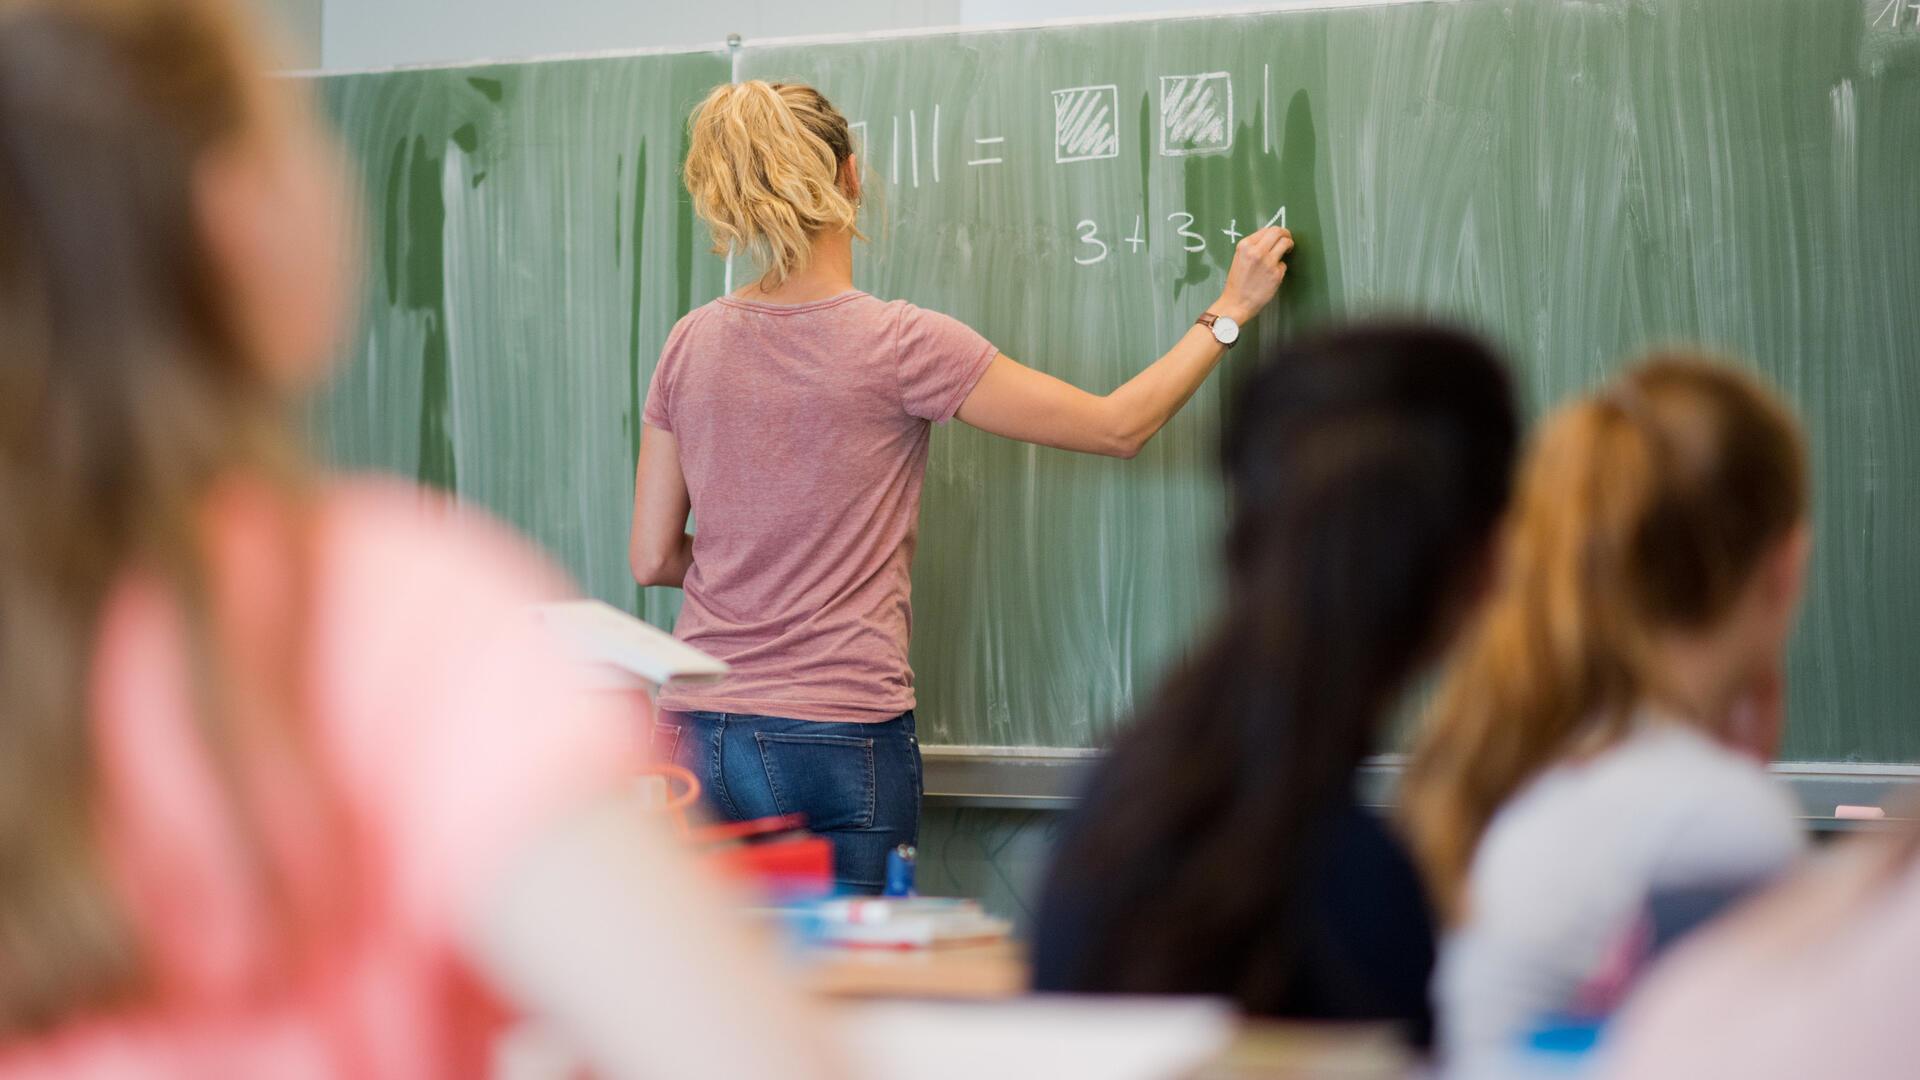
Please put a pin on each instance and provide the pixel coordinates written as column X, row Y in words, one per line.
column 1225, row 330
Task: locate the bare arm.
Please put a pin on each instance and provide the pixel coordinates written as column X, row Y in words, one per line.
column 1018, row 402
column 659, row 548
column 604, row 931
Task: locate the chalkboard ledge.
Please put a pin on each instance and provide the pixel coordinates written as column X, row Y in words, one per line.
column 1045, row 778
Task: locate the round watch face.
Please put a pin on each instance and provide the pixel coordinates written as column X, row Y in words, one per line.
column 1225, row 330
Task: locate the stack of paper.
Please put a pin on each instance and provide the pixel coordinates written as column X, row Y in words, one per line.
column 885, row 923
column 624, row 651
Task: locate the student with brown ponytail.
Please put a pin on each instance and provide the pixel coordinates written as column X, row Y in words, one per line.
column 1595, row 755
column 792, row 418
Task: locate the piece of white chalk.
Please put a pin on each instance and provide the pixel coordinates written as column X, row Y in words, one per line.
column 1859, row 813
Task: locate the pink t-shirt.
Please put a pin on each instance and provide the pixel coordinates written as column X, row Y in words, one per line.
column 803, row 433
column 1816, row 978
column 445, row 731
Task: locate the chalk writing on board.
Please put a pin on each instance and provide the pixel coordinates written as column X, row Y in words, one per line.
column 1896, row 14
column 913, row 129
column 1196, row 117
column 1266, row 108
column 1192, row 241
column 1196, row 114
column 995, row 141
column 1086, row 123
column 858, row 130
column 1089, row 235
column 1183, row 231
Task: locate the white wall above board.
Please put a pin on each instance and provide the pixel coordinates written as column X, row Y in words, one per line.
column 298, row 25
column 356, row 34
column 385, row 33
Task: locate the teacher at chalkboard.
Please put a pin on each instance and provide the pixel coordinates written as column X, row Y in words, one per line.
column 792, row 418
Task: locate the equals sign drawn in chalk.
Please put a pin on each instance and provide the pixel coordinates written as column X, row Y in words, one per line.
column 991, row 140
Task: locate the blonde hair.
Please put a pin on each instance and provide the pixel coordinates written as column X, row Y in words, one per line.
column 764, row 167
column 1644, row 508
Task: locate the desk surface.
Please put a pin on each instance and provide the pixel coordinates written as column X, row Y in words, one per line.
column 1276, row 1051
column 964, row 972
column 999, row 973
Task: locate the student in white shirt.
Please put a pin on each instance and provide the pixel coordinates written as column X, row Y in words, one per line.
column 1591, row 778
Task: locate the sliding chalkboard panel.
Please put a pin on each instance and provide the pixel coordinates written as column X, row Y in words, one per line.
column 1581, row 180
column 530, row 245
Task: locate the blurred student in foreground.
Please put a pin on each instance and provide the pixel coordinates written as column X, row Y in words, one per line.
column 1817, row 978
column 1591, row 780
column 288, row 786
column 1222, row 850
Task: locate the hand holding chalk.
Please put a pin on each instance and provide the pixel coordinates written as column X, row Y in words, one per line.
column 1259, row 265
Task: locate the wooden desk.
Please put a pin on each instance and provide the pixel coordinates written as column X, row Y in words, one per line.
column 1121, row 1038
column 1281, row 1051
column 962, row 973
column 999, row 974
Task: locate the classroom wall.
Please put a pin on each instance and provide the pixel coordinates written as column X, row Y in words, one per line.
column 975, row 12
column 299, row 24
column 385, row 33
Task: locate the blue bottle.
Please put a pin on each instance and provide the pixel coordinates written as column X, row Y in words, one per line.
column 900, row 866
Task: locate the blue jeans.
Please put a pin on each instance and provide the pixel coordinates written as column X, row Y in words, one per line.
column 857, row 784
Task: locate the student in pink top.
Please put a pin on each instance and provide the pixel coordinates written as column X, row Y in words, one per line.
column 289, row 784
column 1816, row 978
column 792, row 418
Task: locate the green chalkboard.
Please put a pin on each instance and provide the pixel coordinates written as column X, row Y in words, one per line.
column 529, row 247
column 1579, row 179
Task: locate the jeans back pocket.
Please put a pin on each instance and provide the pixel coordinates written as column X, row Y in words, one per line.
column 828, row 778
column 664, row 743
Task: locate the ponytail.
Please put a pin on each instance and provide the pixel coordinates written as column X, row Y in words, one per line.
column 1644, row 509
column 1368, row 469
column 763, row 168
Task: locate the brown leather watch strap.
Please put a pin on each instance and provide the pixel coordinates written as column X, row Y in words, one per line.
column 1207, row 319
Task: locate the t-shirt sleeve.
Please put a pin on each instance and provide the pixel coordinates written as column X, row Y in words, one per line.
column 1742, row 827
column 658, row 411
column 941, row 361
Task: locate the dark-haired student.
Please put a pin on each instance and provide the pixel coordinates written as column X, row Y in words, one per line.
column 1221, row 849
